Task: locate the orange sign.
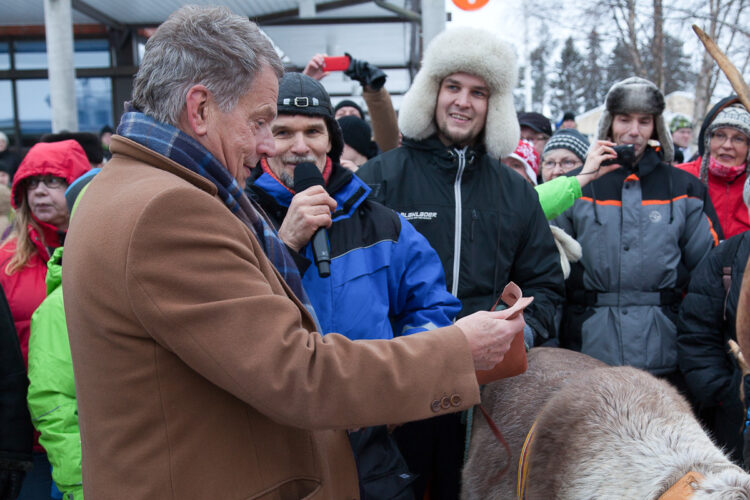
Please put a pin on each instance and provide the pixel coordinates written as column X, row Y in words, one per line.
column 470, row 4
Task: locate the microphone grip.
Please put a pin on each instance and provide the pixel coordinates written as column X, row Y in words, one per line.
column 322, row 252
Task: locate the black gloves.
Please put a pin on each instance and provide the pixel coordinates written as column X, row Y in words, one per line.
column 365, row 73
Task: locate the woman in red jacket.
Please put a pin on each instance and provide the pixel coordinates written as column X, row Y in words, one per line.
column 38, row 195
column 724, row 147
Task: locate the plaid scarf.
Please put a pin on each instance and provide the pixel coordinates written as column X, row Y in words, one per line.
column 179, row 147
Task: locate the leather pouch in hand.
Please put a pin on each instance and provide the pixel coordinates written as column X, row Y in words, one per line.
column 514, row 362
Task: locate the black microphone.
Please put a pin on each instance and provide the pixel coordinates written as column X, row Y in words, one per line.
column 307, row 175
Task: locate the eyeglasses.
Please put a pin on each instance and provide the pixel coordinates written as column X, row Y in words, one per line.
column 735, row 140
column 536, row 138
column 564, row 164
column 50, row 181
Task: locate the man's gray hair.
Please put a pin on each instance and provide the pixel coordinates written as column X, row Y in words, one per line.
column 209, row 46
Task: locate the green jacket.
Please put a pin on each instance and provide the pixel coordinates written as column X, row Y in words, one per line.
column 52, row 397
column 558, row 195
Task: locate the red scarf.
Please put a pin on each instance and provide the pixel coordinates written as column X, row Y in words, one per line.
column 723, row 171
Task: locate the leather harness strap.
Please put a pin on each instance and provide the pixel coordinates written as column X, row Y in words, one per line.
column 523, row 464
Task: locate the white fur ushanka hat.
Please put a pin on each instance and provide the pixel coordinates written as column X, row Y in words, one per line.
column 637, row 95
column 479, row 53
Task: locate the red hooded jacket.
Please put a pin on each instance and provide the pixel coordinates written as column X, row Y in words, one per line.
column 726, row 197
column 26, row 289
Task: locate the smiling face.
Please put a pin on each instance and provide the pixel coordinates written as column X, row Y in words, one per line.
column 461, row 109
column 48, row 204
column 298, row 138
column 633, row 128
column 239, row 138
column 728, row 146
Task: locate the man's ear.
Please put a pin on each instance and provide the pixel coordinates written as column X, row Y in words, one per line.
column 196, row 113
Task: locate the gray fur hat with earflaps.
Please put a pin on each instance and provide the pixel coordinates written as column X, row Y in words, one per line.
column 476, row 52
column 637, row 95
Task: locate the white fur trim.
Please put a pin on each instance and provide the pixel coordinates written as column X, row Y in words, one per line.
column 477, row 52
column 569, row 248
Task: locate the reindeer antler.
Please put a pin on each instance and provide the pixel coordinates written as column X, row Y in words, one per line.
column 729, row 69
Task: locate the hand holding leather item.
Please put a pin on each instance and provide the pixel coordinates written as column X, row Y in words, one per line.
column 365, row 73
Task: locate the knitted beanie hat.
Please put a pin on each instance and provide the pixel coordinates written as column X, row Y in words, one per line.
column 569, row 139
column 476, row 52
column 526, row 154
column 637, row 95
column 358, row 135
column 301, row 95
column 678, row 122
column 734, row 116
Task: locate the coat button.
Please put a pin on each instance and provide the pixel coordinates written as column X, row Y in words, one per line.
column 445, row 403
column 435, row 406
column 456, row 400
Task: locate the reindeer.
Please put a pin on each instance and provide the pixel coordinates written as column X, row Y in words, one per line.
column 601, row 433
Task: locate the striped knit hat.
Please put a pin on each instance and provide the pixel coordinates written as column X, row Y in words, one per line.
column 569, row 139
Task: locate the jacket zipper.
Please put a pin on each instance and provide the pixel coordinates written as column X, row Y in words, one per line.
column 457, row 233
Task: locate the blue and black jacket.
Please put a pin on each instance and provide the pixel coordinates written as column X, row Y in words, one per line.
column 386, row 280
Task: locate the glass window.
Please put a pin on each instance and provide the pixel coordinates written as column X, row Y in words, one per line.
column 6, row 107
column 4, row 56
column 87, row 54
column 94, row 100
column 91, row 54
column 34, row 110
column 30, row 54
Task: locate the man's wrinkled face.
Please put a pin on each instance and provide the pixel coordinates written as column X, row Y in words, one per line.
column 298, row 139
column 633, row 128
column 461, row 109
column 241, row 137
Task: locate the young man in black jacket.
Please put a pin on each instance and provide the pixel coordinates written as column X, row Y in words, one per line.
column 484, row 220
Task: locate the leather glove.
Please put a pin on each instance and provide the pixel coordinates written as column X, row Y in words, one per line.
column 365, row 73
column 10, row 483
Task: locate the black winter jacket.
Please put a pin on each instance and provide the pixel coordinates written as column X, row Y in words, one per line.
column 503, row 234
column 707, row 321
column 16, row 432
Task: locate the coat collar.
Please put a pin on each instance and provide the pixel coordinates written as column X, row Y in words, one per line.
column 124, row 146
column 446, row 156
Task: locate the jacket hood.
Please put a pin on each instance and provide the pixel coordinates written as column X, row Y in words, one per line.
column 476, row 52
column 64, row 159
column 710, row 116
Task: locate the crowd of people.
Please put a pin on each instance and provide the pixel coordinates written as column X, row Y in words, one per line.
column 266, row 295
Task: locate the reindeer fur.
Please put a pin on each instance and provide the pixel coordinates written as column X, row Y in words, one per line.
column 607, row 433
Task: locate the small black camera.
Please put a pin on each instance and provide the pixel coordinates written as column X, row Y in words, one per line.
column 625, row 157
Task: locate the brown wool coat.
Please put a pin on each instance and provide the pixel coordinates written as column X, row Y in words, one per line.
column 198, row 375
